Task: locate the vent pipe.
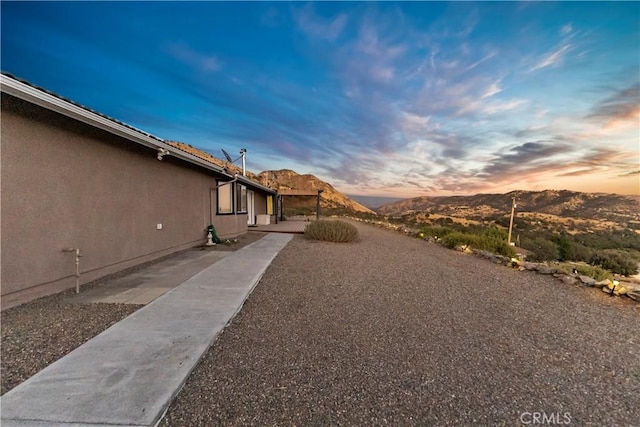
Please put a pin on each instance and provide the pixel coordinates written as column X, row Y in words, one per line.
column 243, row 153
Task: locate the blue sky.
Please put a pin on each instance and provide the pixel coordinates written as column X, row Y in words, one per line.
column 394, row 99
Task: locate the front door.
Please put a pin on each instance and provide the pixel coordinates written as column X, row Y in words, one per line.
column 251, row 212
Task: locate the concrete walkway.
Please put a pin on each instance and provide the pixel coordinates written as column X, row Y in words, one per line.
column 151, row 282
column 129, row 374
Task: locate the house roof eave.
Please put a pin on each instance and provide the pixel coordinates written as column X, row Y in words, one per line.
column 251, row 183
column 55, row 103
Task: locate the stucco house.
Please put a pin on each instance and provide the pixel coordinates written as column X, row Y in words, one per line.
column 73, row 178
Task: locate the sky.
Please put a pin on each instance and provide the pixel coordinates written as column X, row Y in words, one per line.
column 399, row 99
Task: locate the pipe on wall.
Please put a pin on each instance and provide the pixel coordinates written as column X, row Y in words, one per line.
column 77, row 251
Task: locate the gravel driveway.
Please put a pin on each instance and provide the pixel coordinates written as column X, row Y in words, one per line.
column 394, row 330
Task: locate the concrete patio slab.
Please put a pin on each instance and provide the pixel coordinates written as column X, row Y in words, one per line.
column 129, row 374
column 152, row 282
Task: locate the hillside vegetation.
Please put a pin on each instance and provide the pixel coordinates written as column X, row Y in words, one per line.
column 599, row 229
column 607, row 209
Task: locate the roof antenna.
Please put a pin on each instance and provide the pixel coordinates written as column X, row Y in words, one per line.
column 243, row 156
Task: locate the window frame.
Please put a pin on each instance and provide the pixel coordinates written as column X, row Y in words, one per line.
column 241, row 199
column 229, row 198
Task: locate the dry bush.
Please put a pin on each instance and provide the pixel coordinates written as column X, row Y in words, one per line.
column 331, row 231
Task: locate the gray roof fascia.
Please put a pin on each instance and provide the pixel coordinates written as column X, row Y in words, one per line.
column 252, row 183
column 49, row 101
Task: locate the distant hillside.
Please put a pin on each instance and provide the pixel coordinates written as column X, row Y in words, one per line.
column 374, row 202
column 564, row 203
column 330, row 198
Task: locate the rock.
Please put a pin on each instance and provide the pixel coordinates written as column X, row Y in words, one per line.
column 464, row 248
column 569, row 280
column 632, row 291
column 587, row 281
column 620, row 290
column 602, row 283
column 543, row 269
column 529, row 266
column 617, row 288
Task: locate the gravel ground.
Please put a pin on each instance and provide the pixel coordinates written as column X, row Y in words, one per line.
column 393, row 330
column 38, row 333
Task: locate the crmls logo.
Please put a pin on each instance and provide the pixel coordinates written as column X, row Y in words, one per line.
column 542, row 418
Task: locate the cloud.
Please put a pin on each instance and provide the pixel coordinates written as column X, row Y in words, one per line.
column 521, row 157
column 488, row 56
column 566, row 29
column 311, row 24
column 619, row 110
column 493, row 89
column 552, row 59
column 193, row 58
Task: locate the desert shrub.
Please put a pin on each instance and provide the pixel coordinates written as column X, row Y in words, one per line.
column 331, row 231
column 458, row 238
column 586, row 270
column 439, row 232
column 615, row 260
column 495, row 233
column 489, row 244
column 299, row 211
column 496, row 246
column 541, row 249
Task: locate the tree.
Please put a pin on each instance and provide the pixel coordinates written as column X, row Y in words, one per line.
column 617, row 261
column 541, row 249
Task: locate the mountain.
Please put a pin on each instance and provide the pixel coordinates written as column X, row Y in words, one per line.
column 374, row 202
column 588, row 206
column 331, row 200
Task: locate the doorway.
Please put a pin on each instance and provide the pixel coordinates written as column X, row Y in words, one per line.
column 251, row 212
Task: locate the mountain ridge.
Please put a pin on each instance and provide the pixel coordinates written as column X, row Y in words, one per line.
column 330, row 198
column 566, row 203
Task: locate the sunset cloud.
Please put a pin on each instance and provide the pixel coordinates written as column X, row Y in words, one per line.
column 387, row 98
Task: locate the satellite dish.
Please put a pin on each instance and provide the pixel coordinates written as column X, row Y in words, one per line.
column 227, row 156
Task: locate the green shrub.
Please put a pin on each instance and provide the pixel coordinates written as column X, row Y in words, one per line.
column 615, row 260
column 331, row 231
column 541, row 249
column 586, row 270
column 497, row 246
column 457, row 238
column 495, row 233
column 439, row 232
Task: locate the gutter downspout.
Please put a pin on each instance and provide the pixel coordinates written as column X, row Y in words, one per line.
column 77, row 251
column 227, row 182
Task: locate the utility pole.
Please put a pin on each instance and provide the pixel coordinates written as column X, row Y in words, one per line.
column 513, row 209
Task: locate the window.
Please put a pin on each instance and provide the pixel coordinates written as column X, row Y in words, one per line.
column 242, row 199
column 225, row 199
column 269, row 205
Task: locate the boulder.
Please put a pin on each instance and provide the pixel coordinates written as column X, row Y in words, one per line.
column 632, row 291
column 602, row 283
column 587, row 281
column 569, row 280
column 616, row 288
column 543, row 269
